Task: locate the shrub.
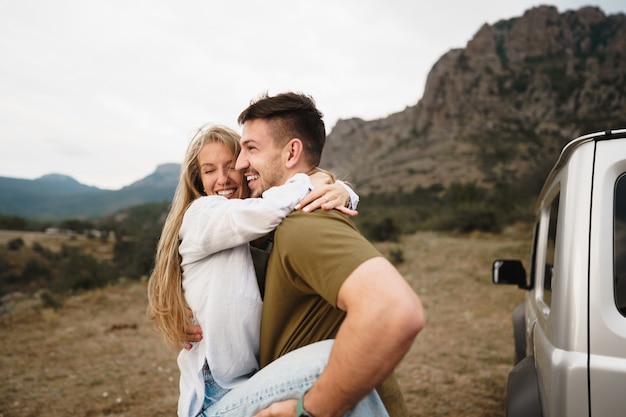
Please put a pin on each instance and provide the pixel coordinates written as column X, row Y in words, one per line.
column 385, row 230
column 49, row 300
column 12, row 223
column 35, row 271
column 78, row 271
column 44, row 252
column 396, row 256
column 15, row 244
column 134, row 257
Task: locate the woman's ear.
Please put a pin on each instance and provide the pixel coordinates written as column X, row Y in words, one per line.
column 293, row 153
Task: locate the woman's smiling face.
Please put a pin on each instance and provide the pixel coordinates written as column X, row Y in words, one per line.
column 217, row 171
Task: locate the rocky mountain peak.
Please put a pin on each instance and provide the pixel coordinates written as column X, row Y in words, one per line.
column 498, row 110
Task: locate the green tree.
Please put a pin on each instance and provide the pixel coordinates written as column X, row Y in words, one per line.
column 78, row 271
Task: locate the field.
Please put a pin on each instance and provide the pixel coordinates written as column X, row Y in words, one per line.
column 99, row 356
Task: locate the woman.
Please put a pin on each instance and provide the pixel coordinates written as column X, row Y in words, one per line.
column 203, row 262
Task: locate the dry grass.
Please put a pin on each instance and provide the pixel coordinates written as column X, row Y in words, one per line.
column 459, row 364
column 98, row 355
column 54, row 242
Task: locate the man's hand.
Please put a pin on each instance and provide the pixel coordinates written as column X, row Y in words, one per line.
column 194, row 332
column 281, row 409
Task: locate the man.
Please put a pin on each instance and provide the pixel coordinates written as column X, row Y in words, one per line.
column 324, row 280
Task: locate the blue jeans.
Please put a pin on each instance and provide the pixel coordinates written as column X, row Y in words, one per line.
column 213, row 392
column 288, row 377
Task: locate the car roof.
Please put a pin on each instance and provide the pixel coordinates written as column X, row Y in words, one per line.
column 574, row 144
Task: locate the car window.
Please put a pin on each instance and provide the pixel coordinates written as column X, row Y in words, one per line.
column 619, row 244
column 550, row 251
column 533, row 254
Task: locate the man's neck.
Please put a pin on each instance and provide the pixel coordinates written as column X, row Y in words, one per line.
column 312, row 171
column 299, row 170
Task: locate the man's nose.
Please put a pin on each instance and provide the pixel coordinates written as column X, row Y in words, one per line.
column 241, row 163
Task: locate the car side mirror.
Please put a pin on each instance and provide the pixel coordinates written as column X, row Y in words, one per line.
column 509, row 271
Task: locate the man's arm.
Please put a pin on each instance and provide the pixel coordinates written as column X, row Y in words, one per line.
column 383, row 318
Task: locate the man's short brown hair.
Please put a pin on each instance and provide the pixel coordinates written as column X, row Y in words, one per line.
column 291, row 115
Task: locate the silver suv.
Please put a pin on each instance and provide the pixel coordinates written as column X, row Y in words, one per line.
column 570, row 331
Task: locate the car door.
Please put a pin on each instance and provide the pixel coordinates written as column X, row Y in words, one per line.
column 607, row 290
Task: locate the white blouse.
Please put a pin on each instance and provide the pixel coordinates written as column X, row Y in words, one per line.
column 220, row 285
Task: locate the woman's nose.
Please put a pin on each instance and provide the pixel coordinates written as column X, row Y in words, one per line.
column 223, row 177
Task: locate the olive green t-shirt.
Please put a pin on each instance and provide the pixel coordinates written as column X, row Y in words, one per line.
column 312, row 255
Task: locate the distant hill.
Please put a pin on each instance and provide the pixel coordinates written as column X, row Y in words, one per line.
column 54, row 196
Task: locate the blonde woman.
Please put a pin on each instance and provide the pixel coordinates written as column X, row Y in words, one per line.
column 203, row 262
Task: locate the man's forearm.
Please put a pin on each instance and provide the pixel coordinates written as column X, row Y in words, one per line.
column 373, row 339
column 355, row 368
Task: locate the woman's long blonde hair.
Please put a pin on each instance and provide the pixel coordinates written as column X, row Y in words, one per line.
column 167, row 306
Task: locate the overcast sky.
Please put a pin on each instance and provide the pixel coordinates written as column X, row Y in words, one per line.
column 104, row 91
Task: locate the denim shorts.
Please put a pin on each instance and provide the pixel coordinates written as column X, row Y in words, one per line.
column 288, row 377
column 213, row 392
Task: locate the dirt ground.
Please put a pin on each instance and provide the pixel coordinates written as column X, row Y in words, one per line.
column 99, row 356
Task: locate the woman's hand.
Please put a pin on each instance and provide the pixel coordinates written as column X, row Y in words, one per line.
column 284, row 408
column 326, row 196
column 194, row 332
column 320, row 178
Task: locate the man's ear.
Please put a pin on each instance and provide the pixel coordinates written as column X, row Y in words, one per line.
column 293, row 152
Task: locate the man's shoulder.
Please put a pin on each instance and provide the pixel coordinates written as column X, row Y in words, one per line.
column 299, row 219
column 318, row 214
column 317, row 226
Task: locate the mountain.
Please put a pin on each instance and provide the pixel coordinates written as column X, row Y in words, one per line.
column 496, row 112
column 55, row 196
column 492, row 120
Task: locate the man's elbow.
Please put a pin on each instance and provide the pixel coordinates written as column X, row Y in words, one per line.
column 411, row 318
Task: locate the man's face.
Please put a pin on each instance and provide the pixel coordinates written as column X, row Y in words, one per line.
column 260, row 158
